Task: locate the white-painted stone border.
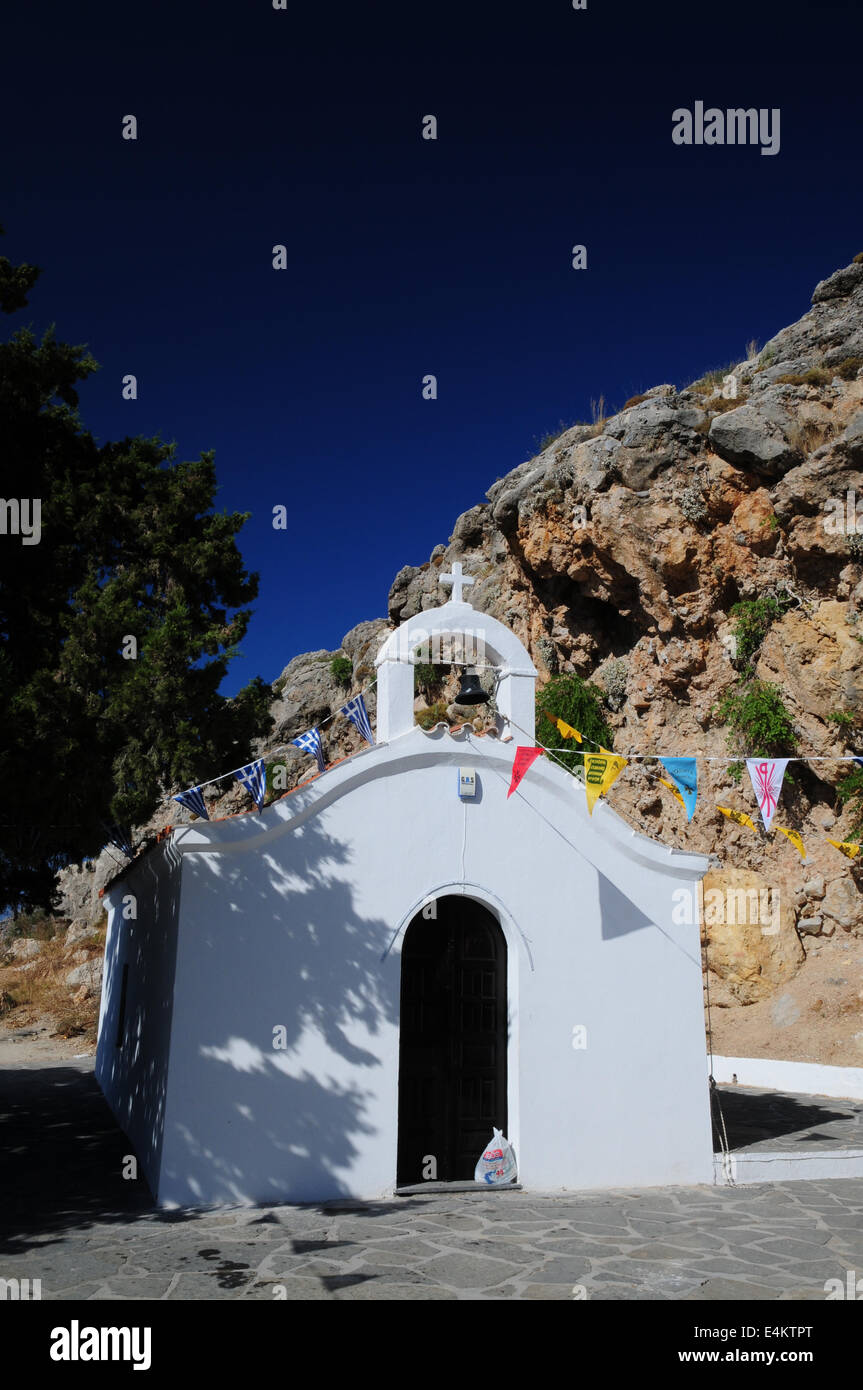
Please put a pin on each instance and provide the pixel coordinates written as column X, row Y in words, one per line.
column 767, row 1166
column 800, row 1078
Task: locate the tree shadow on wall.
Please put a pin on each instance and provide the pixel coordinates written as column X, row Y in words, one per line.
column 281, row 953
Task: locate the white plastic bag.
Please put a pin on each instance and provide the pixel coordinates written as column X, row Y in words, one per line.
column 497, row 1164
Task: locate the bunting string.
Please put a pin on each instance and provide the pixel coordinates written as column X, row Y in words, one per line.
column 766, row 774
column 697, row 757
column 253, row 774
column 602, row 767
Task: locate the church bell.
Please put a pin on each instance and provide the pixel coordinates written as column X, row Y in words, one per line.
column 470, row 691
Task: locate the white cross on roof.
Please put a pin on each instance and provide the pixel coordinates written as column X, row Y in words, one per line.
column 456, row 581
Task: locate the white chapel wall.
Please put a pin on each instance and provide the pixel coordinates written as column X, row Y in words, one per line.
column 297, row 932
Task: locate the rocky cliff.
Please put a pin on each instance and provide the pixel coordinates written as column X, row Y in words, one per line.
column 618, row 553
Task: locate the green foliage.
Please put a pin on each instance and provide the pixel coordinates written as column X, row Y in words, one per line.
column 846, row 719
column 579, row 704
column 850, row 791
column 426, row 676
column 16, row 282
column 435, row 714
column 759, row 725
column 130, row 545
column 342, row 670
column 758, row 722
column 754, row 617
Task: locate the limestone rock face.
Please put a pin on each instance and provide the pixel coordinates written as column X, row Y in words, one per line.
column 817, row 657
column 755, row 436
column 78, row 896
column 831, row 331
column 80, row 931
column 86, row 976
column 751, row 941
column 23, row 948
column 622, row 547
column 840, row 285
column 851, row 439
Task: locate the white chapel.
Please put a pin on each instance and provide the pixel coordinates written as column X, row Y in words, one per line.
column 343, row 994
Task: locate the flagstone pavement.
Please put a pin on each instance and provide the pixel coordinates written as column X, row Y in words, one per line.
column 68, row 1219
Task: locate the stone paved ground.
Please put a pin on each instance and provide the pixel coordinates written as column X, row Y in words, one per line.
column 769, row 1121
column 70, row 1220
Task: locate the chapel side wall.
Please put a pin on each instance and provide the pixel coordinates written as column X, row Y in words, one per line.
column 133, row 1074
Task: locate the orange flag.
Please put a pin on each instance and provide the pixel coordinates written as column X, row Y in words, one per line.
column 522, row 761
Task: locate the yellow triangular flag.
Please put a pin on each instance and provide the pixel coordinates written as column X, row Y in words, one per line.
column 674, row 792
column 565, row 730
column 846, row 846
column 600, row 771
column 739, row 817
column 794, row 838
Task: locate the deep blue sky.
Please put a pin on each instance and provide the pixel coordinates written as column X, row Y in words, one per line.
column 406, row 256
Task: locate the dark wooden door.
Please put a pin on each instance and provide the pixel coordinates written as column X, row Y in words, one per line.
column 453, row 1040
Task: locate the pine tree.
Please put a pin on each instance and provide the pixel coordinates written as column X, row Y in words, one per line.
column 130, row 546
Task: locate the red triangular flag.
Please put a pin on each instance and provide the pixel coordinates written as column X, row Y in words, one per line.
column 522, row 761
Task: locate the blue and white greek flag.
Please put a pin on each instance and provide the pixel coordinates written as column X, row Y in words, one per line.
column 310, row 742
column 254, row 779
column 355, row 710
column 193, row 801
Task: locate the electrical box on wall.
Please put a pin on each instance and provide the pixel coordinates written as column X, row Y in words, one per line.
column 466, row 783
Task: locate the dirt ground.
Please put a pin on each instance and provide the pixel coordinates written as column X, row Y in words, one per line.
column 36, row 999
column 39, row 1044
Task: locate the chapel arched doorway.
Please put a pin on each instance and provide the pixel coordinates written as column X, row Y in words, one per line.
column 452, row 1040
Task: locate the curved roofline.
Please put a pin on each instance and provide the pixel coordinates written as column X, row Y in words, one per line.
column 419, row 748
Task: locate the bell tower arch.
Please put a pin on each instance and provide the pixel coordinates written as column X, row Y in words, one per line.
column 461, row 626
